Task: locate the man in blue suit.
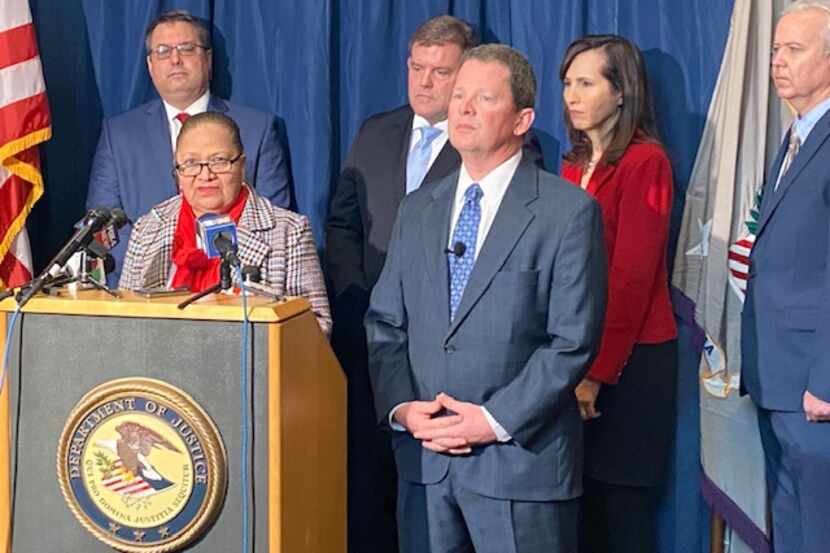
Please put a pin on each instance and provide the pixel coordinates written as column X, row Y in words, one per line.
column 133, row 165
column 785, row 362
column 486, row 315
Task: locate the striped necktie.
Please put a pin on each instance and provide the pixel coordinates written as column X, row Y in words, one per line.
column 789, row 157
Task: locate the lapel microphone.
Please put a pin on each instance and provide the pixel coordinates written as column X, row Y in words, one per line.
column 457, row 249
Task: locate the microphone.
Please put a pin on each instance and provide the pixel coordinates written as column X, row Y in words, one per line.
column 107, row 238
column 210, row 225
column 93, row 221
column 225, row 244
column 457, row 249
column 104, row 240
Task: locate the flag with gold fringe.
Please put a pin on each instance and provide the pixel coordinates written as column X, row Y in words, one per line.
column 24, row 123
column 742, row 133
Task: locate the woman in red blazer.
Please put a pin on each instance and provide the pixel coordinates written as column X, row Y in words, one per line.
column 628, row 396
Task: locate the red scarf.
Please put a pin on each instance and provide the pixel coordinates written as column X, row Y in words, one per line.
column 194, row 269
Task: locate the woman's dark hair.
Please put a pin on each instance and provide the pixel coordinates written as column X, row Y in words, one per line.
column 217, row 118
column 625, row 69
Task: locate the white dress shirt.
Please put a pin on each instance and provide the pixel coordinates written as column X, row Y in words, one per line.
column 197, row 107
column 494, row 186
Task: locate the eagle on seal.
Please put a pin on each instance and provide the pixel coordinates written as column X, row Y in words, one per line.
column 134, row 446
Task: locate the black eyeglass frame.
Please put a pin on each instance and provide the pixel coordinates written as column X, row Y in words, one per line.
column 178, row 47
column 179, row 167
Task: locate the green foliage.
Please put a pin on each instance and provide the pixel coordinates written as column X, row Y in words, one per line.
column 104, row 464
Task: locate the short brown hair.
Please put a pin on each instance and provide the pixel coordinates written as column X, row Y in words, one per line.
column 178, row 16
column 522, row 78
column 625, row 70
column 444, row 29
column 193, row 123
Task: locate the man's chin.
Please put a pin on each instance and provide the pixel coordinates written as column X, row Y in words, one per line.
column 180, row 97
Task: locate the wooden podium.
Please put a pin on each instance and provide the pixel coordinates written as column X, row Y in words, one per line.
column 62, row 347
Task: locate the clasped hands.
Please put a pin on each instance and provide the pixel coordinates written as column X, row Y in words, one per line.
column 455, row 433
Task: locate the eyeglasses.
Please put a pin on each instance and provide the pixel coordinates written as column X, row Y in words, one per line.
column 217, row 166
column 164, row 51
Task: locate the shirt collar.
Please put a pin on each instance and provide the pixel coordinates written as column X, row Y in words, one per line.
column 804, row 125
column 494, row 184
column 418, row 122
column 197, row 107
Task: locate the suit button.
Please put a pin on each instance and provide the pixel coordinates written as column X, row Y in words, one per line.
column 449, row 349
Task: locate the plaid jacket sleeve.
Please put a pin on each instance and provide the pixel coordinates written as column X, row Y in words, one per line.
column 304, row 276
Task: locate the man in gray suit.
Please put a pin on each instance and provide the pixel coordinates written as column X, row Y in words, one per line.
column 486, row 315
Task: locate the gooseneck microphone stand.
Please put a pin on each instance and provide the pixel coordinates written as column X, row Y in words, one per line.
column 95, row 220
column 225, row 283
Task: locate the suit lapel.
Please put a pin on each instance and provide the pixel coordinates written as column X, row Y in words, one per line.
column 769, row 184
column 510, row 223
column 447, row 161
column 216, row 103
column 252, row 250
column 401, row 134
column 435, row 228
column 602, row 175
column 157, row 125
column 808, row 150
column 255, row 220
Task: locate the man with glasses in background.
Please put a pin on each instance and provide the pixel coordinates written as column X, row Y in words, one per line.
column 131, row 169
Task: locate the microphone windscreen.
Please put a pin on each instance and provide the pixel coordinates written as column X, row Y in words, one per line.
column 118, row 218
column 210, row 226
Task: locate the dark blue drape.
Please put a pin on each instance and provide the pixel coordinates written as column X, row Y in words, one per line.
column 325, row 65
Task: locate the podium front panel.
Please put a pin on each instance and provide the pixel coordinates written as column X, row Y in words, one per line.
column 65, row 356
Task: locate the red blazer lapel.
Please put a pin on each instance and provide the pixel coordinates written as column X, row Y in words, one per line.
column 602, row 175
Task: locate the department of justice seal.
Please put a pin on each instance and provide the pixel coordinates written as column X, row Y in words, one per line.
column 142, row 466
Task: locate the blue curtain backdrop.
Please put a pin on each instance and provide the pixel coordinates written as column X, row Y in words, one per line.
column 325, row 65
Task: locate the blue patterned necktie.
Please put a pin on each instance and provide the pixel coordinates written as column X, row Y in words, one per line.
column 466, row 232
column 418, row 161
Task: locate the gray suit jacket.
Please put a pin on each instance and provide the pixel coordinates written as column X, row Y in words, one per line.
column 524, row 335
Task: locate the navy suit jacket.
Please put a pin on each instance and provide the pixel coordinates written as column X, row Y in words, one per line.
column 784, row 332
column 133, row 164
column 524, row 334
column 369, row 190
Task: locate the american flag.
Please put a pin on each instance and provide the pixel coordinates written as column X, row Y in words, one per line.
column 126, row 483
column 24, row 123
column 739, row 264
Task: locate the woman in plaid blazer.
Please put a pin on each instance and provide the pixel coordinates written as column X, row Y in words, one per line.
column 163, row 250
